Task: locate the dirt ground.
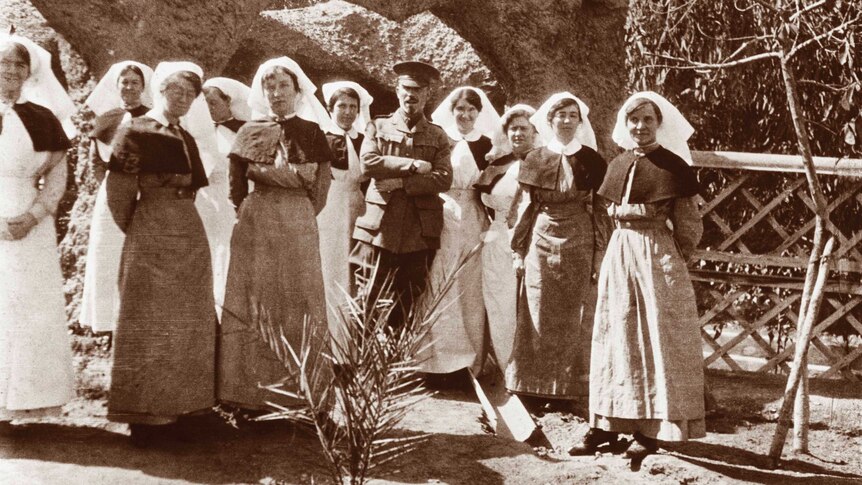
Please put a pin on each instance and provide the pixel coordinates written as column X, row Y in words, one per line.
column 82, row 447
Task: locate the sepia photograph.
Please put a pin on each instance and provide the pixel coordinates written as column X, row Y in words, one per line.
column 297, row 242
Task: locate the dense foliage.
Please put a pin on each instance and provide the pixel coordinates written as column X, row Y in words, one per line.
column 718, row 61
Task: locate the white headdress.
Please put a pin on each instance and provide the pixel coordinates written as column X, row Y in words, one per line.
column 106, row 95
column 505, row 146
column 365, row 101
column 307, row 106
column 238, row 93
column 584, row 134
column 486, row 123
column 673, row 132
column 197, row 121
column 42, row 87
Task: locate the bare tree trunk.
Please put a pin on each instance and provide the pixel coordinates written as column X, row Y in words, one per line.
column 810, row 301
column 801, row 408
column 801, row 349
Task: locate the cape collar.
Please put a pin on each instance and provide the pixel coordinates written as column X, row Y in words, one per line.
column 571, row 148
column 337, row 130
column 456, row 135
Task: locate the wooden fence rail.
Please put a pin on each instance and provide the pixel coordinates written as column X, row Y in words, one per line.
column 750, row 266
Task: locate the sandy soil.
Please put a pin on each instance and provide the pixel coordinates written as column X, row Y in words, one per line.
column 82, row 447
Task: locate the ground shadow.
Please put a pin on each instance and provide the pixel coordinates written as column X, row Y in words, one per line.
column 219, row 454
column 743, row 464
column 744, row 398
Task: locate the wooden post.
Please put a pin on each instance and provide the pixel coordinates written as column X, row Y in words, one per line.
column 810, row 303
column 801, row 349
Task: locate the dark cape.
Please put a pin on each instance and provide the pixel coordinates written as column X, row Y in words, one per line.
column 257, row 142
column 231, row 124
column 479, row 149
column 105, row 125
column 494, row 172
column 661, row 175
column 145, row 145
column 44, row 128
column 338, row 145
column 541, row 168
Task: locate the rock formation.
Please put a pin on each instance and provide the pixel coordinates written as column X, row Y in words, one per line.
column 536, row 47
column 530, row 47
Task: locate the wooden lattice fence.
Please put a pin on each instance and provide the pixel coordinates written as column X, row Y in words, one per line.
column 750, row 266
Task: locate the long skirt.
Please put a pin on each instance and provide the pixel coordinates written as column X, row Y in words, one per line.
column 500, row 289
column 275, row 273
column 344, row 202
column 456, row 340
column 647, row 368
column 164, row 345
column 100, row 302
column 551, row 354
column 219, row 217
column 36, row 373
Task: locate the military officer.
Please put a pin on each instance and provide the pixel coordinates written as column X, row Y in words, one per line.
column 407, row 159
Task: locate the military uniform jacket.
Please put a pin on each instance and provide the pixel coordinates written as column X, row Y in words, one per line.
column 409, row 219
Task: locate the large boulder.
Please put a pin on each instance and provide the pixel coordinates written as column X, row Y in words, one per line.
column 537, row 47
column 337, row 40
column 107, row 31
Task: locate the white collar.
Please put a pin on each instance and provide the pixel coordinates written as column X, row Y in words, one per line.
column 281, row 118
column 454, row 134
column 337, row 130
column 557, row 146
column 22, row 98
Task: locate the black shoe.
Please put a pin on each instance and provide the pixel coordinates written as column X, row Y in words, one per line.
column 642, row 447
column 594, row 438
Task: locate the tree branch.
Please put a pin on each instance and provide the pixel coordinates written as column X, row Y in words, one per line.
column 807, row 9
column 817, row 38
column 693, row 65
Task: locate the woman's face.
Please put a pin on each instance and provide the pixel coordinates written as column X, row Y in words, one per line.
column 280, row 93
column 521, row 134
column 465, row 115
column 14, row 68
column 131, row 87
column 219, row 106
column 565, row 122
column 344, row 111
column 643, row 124
column 179, row 95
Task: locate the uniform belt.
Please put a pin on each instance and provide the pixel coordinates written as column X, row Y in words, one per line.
column 638, row 224
column 561, row 209
column 168, row 193
column 262, row 189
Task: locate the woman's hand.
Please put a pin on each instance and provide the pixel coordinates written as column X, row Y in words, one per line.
column 20, row 226
column 518, row 265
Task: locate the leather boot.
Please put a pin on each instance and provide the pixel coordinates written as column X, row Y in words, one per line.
column 594, row 438
column 642, row 447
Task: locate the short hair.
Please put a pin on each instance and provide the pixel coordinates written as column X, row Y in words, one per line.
column 221, row 94
column 21, row 50
column 131, row 68
column 563, row 103
column 270, row 73
column 345, row 91
column 516, row 113
column 638, row 103
column 468, row 94
column 188, row 76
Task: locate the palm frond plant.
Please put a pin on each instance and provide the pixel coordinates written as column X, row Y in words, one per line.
column 357, row 386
